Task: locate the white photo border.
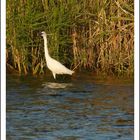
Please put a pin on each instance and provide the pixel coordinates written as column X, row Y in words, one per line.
column 3, row 71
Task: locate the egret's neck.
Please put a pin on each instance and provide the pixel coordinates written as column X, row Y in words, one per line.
column 46, row 47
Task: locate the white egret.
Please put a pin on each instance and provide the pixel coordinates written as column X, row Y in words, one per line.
column 55, row 66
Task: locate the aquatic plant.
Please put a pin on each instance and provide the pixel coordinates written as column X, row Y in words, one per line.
column 90, row 34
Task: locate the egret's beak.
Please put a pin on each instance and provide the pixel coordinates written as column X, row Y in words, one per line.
column 49, row 34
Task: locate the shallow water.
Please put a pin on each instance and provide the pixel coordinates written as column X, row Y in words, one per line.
column 77, row 108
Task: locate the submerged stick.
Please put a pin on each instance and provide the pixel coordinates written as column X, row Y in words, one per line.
column 76, row 66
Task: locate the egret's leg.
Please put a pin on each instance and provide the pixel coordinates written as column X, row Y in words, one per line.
column 54, row 75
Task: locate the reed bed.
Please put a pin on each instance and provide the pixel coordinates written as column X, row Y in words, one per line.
column 86, row 34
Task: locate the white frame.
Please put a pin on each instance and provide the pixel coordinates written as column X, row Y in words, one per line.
column 3, row 71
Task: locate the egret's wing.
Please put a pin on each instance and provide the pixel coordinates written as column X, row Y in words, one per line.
column 58, row 68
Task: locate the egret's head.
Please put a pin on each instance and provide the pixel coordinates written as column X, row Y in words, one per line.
column 43, row 34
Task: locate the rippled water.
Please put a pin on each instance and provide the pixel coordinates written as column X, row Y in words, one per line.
column 80, row 108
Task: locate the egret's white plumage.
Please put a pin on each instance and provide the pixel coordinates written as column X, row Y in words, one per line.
column 55, row 66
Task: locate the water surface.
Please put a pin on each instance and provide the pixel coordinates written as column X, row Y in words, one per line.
column 79, row 108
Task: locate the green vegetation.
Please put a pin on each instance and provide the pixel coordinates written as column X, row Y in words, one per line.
column 90, row 34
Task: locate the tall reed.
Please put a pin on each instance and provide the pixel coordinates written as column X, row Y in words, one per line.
column 90, row 34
